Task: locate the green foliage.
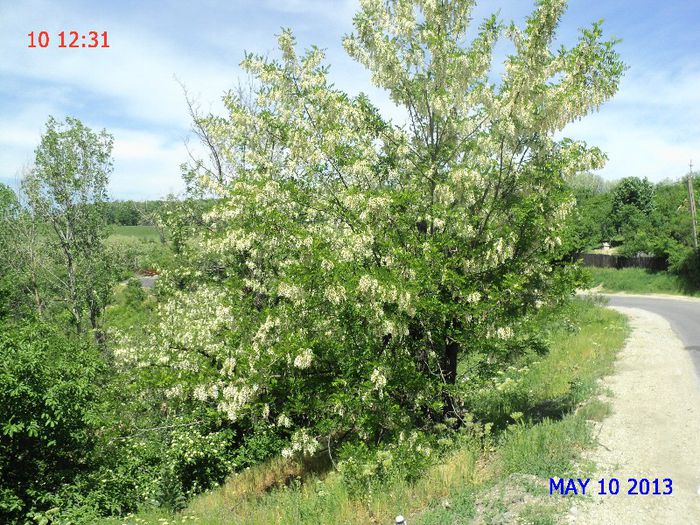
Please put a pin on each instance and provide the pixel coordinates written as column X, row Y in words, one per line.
column 632, row 204
column 687, row 266
column 9, row 217
column 48, row 391
column 584, row 342
column 367, row 468
column 170, row 495
column 585, row 185
column 636, row 192
column 669, row 233
column 590, row 224
column 258, row 445
column 124, row 213
column 133, row 293
column 548, row 383
column 178, row 220
column 136, row 254
column 644, row 218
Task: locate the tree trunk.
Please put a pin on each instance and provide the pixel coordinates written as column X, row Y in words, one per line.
column 450, row 361
column 73, row 293
column 449, row 374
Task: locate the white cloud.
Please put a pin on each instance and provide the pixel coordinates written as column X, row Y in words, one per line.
column 146, row 166
column 634, row 150
column 19, row 136
column 650, row 129
column 132, row 83
column 136, row 79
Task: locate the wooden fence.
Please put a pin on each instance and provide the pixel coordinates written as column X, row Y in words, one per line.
column 601, row 260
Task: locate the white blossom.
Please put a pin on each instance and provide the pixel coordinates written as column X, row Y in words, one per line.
column 302, row 443
column 284, row 421
column 378, row 379
column 473, row 297
column 304, row 359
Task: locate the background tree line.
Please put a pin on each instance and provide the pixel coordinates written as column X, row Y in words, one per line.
column 636, row 216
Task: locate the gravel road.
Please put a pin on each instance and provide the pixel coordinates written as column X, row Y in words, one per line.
column 654, row 429
column 683, row 313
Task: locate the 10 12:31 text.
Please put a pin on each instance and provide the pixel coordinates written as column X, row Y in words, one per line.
column 69, row 39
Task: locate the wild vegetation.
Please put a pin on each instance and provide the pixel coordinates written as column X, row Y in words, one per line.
column 339, row 292
column 541, row 426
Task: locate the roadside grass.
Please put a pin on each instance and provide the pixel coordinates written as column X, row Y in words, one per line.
column 639, row 280
column 502, row 479
column 568, row 375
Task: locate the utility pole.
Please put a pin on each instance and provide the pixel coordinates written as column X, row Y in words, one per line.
column 691, row 200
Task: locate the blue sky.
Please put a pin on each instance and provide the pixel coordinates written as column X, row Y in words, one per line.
column 651, row 129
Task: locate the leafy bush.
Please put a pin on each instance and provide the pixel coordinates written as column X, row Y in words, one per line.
column 687, row 266
column 365, row 468
column 134, row 294
column 632, row 202
column 49, row 387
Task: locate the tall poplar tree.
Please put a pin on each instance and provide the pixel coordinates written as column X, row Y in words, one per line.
column 66, row 191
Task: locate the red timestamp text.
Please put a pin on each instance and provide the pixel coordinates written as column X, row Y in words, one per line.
column 69, row 39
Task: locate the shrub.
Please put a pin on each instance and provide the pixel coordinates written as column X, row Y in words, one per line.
column 49, row 386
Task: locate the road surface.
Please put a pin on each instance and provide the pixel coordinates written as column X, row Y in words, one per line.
column 148, row 281
column 652, row 431
column 683, row 314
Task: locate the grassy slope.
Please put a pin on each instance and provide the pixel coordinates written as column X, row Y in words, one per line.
column 469, row 481
column 638, row 280
column 552, row 447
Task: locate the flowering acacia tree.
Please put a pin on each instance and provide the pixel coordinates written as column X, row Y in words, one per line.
column 350, row 263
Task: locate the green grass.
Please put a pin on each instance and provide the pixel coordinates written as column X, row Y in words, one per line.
column 146, row 233
column 130, row 313
column 640, row 281
column 508, row 474
column 547, row 449
column 140, row 247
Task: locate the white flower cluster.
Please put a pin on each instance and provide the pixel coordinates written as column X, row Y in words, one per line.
column 473, row 297
column 504, row 332
column 335, row 294
column 235, row 398
column 284, row 421
column 304, row 359
column 302, row 443
column 378, row 379
column 292, row 292
column 205, row 392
